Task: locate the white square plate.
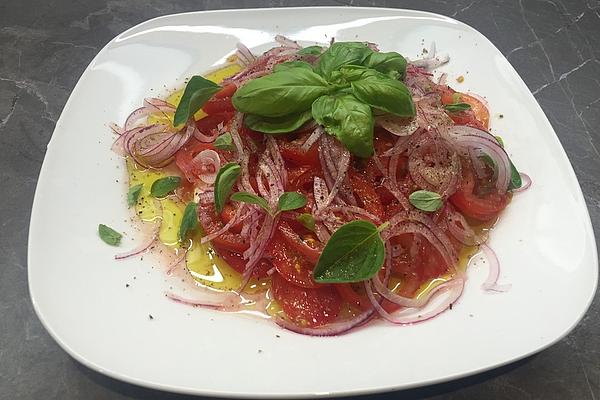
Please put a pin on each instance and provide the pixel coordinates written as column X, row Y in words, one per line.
column 544, row 240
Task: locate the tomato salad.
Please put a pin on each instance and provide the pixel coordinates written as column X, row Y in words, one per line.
column 345, row 177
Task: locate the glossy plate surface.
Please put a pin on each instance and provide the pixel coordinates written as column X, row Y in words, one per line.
column 544, row 240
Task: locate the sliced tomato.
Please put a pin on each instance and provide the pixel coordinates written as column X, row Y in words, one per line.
column 350, row 296
column 478, row 116
column 184, row 159
column 304, row 306
column 307, row 246
column 366, row 194
column 482, row 208
column 208, row 123
column 292, row 151
column 211, row 222
column 235, row 261
column 291, row 264
column 479, row 109
column 221, row 101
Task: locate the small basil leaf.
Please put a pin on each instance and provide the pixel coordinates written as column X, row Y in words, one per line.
column 457, row 107
column 310, row 50
column 250, row 198
column 499, row 140
column 425, row 200
column 380, row 91
column 291, row 64
column 163, row 186
column 290, row 201
column 307, row 220
column 226, row 178
column 134, row 194
column 197, row 92
column 340, row 54
column 391, row 64
column 224, row 142
column 109, row 235
column 291, row 91
column 354, row 253
column 277, row 125
column 189, row 221
column 515, row 178
column 348, row 119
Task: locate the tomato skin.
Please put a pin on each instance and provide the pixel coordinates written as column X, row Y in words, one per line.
column 479, row 208
column 304, row 306
column 292, row 152
column 366, row 194
column 290, row 264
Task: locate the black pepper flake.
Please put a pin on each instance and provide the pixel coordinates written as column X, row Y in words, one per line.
column 127, row 285
column 259, row 350
column 450, row 306
column 501, row 116
column 277, row 336
column 150, row 316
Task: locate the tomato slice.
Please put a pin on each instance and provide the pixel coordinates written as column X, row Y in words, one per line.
column 307, row 247
column 211, row 222
column 306, row 307
column 349, row 295
column 221, row 101
column 184, row 159
column 482, row 208
column 291, row 264
column 292, row 151
column 235, row 261
column 208, row 123
column 478, row 116
column 366, row 194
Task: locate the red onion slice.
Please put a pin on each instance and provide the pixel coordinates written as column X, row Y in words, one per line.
column 313, row 138
column 491, row 283
column 209, row 163
column 334, row 329
column 525, row 185
column 142, row 247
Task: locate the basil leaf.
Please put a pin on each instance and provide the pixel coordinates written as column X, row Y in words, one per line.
column 499, row 140
column 307, row 220
column 290, row 201
column 348, row 119
column 380, row 91
column 224, row 142
column 391, row 64
column 109, row 235
column 276, row 125
column 340, row 54
column 291, row 91
column 189, row 222
column 354, row 253
column 226, row 178
column 457, row 107
column 163, row 186
column 515, row 178
column 133, row 194
column 292, row 64
column 250, row 198
column 310, row 51
column 425, row 200
column 197, row 92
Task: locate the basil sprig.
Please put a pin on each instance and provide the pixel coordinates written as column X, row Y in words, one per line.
column 515, row 178
column 163, row 186
column 226, row 178
column 425, row 200
column 109, row 235
column 457, row 107
column 189, row 221
column 287, row 201
column 197, row 92
column 134, row 193
column 354, row 253
column 340, row 92
column 224, row 142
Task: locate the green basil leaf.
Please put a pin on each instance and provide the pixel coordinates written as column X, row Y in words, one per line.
column 226, row 178
column 291, row 91
column 307, row 220
column 290, row 201
column 292, row 64
column 348, row 119
column 197, row 92
column 380, row 91
column 457, row 107
column 499, row 140
column 515, row 178
column 109, row 235
column 391, row 64
column 134, row 194
column 277, row 125
column 425, row 200
column 250, row 198
column 340, row 54
column 310, row 50
column 354, row 253
column 224, row 142
column 189, row 221
column 163, row 186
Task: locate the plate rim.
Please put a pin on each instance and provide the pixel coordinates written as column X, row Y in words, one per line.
column 351, row 392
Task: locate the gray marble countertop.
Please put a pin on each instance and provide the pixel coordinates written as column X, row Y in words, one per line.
column 46, row 45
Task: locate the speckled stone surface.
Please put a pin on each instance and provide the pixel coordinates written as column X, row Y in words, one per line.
column 46, row 45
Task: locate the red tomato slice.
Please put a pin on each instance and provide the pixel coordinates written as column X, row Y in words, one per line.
column 480, row 208
column 311, row 248
column 306, row 307
column 235, row 261
column 211, row 222
column 291, row 264
column 292, row 151
column 366, row 194
column 185, row 156
column 221, row 101
column 349, row 295
column 207, row 124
